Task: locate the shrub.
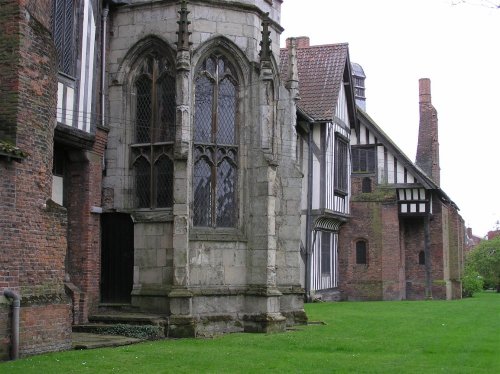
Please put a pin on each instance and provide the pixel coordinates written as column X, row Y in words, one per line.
column 147, row 332
column 472, row 282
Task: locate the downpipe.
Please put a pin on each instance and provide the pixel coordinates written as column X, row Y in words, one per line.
column 16, row 305
column 308, row 296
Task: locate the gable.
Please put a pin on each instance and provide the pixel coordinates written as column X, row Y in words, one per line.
column 393, row 167
column 321, row 75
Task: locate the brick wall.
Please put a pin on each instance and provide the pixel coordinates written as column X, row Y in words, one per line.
column 413, row 236
column 9, row 62
column 84, row 176
column 34, row 236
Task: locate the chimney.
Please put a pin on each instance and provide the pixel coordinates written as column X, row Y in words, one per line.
column 469, row 232
column 428, row 142
column 300, row 42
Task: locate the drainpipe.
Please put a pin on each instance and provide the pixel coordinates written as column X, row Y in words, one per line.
column 16, row 303
column 105, row 12
column 308, row 215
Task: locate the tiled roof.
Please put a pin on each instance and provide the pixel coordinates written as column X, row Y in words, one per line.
column 321, row 70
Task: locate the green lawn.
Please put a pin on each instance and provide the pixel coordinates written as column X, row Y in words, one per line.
column 460, row 336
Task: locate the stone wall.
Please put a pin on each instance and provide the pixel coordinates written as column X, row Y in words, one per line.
column 211, row 280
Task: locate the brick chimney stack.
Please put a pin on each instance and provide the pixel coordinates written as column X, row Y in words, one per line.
column 428, row 142
column 300, row 42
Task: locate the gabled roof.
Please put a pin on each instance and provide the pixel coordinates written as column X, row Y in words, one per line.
column 383, row 138
column 321, row 71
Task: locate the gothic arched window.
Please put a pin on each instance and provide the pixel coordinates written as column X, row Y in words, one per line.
column 154, row 132
column 215, row 156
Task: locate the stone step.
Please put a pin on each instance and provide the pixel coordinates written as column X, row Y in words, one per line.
column 131, row 318
column 82, row 340
column 117, row 307
column 141, row 331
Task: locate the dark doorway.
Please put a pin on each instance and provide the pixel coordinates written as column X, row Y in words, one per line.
column 117, row 257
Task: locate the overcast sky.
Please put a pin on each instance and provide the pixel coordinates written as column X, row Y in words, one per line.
column 458, row 48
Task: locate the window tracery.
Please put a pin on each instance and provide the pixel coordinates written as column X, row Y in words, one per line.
column 215, row 155
column 154, row 132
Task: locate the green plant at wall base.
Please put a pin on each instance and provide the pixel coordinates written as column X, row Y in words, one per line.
column 472, row 282
column 133, row 331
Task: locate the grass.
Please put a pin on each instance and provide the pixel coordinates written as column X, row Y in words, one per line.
column 461, row 336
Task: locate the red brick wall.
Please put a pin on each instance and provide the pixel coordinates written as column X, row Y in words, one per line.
column 45, row 327
column 84, row 191
column 391, row 253
column 413, row 236
column 374, row 218
column 33, row 244
column 438, row 231
column 393, row 271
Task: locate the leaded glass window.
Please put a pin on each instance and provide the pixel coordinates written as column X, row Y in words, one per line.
column 154, row 132
column 326, row 252
column 215, row 154
column 62, row 30
column 341, row 165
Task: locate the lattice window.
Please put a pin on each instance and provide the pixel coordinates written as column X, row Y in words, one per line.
column 326, row 252
column 215, row 173
column 341, row 165
column 63, row 34
column 154, row 132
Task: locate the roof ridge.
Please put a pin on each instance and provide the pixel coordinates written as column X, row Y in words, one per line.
column 320, row 46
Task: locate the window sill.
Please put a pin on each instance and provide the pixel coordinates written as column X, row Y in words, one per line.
column 157, row 215
column 217, row 234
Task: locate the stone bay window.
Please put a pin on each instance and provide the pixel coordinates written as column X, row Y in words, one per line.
column 154, row 133
column 215, row 158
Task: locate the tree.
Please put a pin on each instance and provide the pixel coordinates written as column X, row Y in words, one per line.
column 472, row 282
column 485, row 259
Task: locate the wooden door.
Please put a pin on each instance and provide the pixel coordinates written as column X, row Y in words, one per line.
column 117, row 257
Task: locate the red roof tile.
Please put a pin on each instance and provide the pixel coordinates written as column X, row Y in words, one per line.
column 321, row 70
